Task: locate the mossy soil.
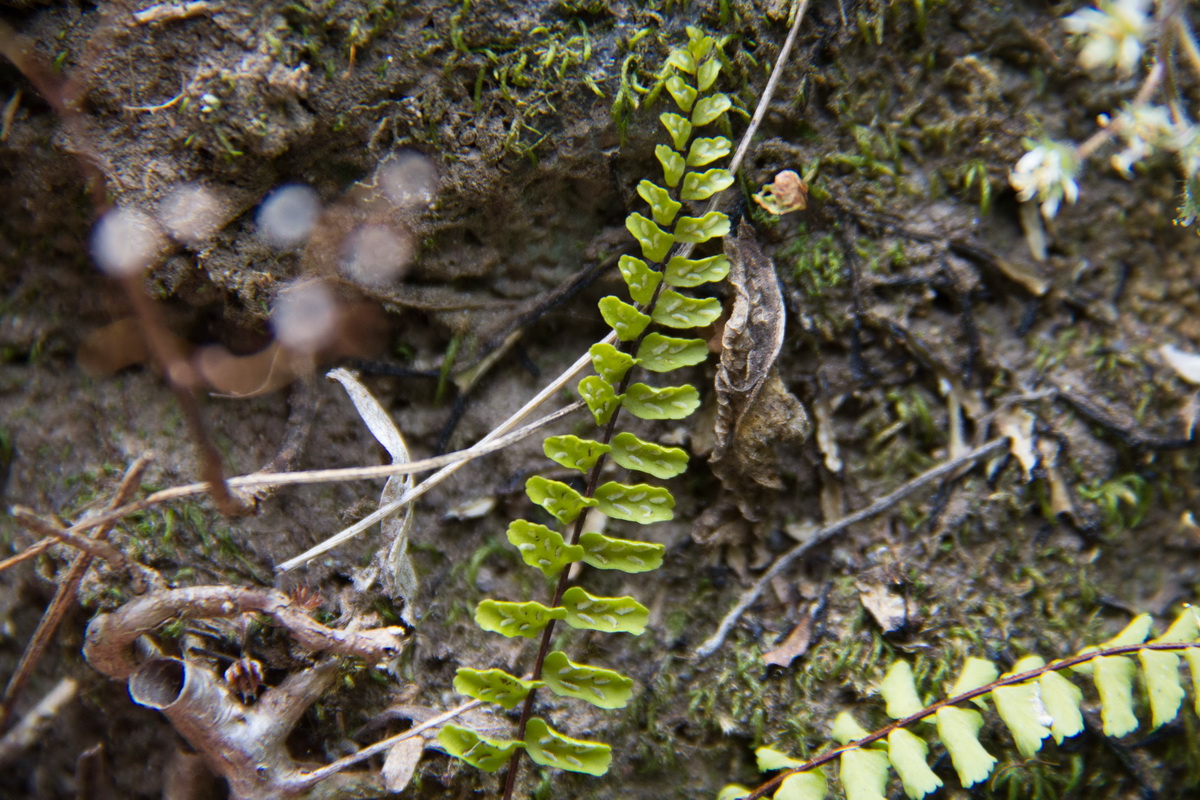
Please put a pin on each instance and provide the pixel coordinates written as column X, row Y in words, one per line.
column 539, row 119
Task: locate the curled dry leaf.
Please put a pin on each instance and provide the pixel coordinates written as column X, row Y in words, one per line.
column 392, row 562
column 888, row 608
column 794, row 645
column 1017, row 424
column 755, row 411
column 787, row 193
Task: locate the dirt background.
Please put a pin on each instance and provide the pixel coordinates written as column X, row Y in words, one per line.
column 909, row 274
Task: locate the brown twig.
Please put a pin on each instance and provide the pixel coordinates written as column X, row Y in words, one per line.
column 64, row 595
column 89, row 547
column 31, row 727
column 108, row 643
column 752, row 594
column 33, row 551
column 928, row 711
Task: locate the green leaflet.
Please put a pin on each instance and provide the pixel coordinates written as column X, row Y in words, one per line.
column 698, row 230
column 662, row 207
column 662, row 462
column 802, row 786
column 626, row 555
column 976, row 672
column 654, row 240
column 493, row 685
column 1192, row 656
column 600, row 687
column 551, row 749
column 573, row 452
column 673, row 166
column 541, row 547
column 703, row 185
column 610, row 363
column 899, row 691
column 864, row 774
column 770, row 760
column 706, row 76
column 606, row 614
column 480, row 752
column 640, row 503
column 706, row 150
column 1184, row 629
column 863, row 771
column 682, row 60
column 699, row 45
column 641, row 280
column 659, row 353
column 845, row 728
column 958, row 729
column 685, row 273
column 601, row 400
column 732, row 791
column 675, row 310
column 1061, row 698
column 515, row 619
column 1025, row 714
column 906, row 752
column 560, row 500
column 678, row 127
column 684, row 95
column 1113, row 676
column 623, row 318
column 671, row 402
column 708, row 109
column 1161, row 670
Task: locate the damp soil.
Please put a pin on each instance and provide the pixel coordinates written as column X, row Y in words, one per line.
column 914, row 311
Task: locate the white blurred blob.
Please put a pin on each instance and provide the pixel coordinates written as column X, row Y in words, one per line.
column 191, row 213
column 125, row 241
column 375, row 254
column 407, row 179
column 287, row 216
column 305, row 317
column 1185, row 364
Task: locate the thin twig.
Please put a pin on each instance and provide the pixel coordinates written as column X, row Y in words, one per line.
column 752, row 594
column 439, row 476
column 1148, row 87
column 764, row 100
column 31, row 727
column 386, row 744
column 90, row 547
column 33, row 551
column 262, row 479
column 928, row 711
column 108, row 645
column 64, row 595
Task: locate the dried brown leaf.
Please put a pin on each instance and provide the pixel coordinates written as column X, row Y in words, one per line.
column 401, row 763
column 889, row 609
column 794, row 645
column 753, row 334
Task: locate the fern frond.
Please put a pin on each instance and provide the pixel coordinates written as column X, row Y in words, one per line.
column 653, row 281
column 1036, row 701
